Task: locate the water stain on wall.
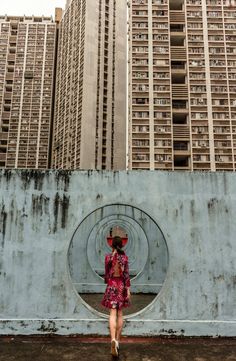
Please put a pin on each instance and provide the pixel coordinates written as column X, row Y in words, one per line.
column 60, row 207
column 40, row 205
column 63, row 176
column 3, row 222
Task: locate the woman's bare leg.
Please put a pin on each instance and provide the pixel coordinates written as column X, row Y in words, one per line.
column 119, row 324
column 113, row 323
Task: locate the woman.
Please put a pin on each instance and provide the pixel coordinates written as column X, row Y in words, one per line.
column 117, row 294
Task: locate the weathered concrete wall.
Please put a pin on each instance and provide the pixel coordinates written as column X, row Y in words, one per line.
column 41, row 211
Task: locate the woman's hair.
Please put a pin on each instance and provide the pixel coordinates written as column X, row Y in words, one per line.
column 117, row 244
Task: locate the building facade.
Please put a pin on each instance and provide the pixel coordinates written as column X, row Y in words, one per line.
column 27, row 57
column 182, row 84
column 90, row 114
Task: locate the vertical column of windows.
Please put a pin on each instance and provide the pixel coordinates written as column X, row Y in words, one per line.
column 106, row 54
column 45, row 43
column 59, row 109
column 229, row 24
column 81, row 81
column 22, row 114
column 17, row 56
column 33, row 88
column 42, row 43
column 162, row 98
column 61, row 93
column 139, row 94
column 76, row 123
column 219, row 86
column 62, row 118
column 69, row 86
column 72, row 70
column 13, row 81
column 113, row 85
column 48, row 97
column 200, row 110
column 98, row 84
column 179, row 80
column 6, row 61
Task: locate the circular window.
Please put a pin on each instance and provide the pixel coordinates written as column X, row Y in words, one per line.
column 143, row 242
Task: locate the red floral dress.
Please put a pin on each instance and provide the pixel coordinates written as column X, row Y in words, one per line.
column 116, row 291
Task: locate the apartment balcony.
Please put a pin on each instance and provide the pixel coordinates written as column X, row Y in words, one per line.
column 178, row 53
column 177, row 41
column 13, row 38
column 177, row 16
column 11, row 57
column 179, row 91
column 5, row 115
column 179, row 105
column 3, row 157
column 177, row 30
column 181, row 132
column 180, row 110
column 182, row 152
column 3, row 136
column 9, row 76
column 181, row 148
column 202, row 165
column 178, row 66
column 176, row 4
column 181, row 162
column 227, row 166
column 180, row 118
column 181, row 145
column 7, row 95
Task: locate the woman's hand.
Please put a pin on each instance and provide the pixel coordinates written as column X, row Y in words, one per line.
column 128, row 293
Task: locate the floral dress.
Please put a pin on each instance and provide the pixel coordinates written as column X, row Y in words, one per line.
column 117, row 280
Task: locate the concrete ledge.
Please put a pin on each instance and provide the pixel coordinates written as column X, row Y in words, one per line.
column 67, row 327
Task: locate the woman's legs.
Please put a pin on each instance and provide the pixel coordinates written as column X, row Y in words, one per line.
column 119, row 324
column 113, row 327
column 113, row 322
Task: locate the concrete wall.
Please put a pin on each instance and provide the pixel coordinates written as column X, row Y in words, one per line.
column 40, row 213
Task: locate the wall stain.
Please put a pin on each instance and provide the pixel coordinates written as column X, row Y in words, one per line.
column 26, row 177
column 61, row 205
column 48, row 327
column 64, row 177
column 170, row 331
column 7, row 175
column 219, row 278
column 35, row 175
column 38, row 180
column 40, row 205
column 213, row 202
column 192, row 208
column 3, row 223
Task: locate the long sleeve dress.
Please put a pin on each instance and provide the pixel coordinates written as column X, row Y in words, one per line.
column 118, row 280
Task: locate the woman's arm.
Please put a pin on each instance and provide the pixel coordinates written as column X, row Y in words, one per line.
column 107, row 268
column 126, row 273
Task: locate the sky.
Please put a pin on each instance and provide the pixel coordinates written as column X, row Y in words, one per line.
column 30, row 7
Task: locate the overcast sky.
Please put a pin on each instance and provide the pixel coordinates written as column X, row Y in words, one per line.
column 30, row 7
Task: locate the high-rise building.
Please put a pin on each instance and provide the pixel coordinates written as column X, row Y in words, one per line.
column 182, row 84
column 27, row 57
column 90, row 114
